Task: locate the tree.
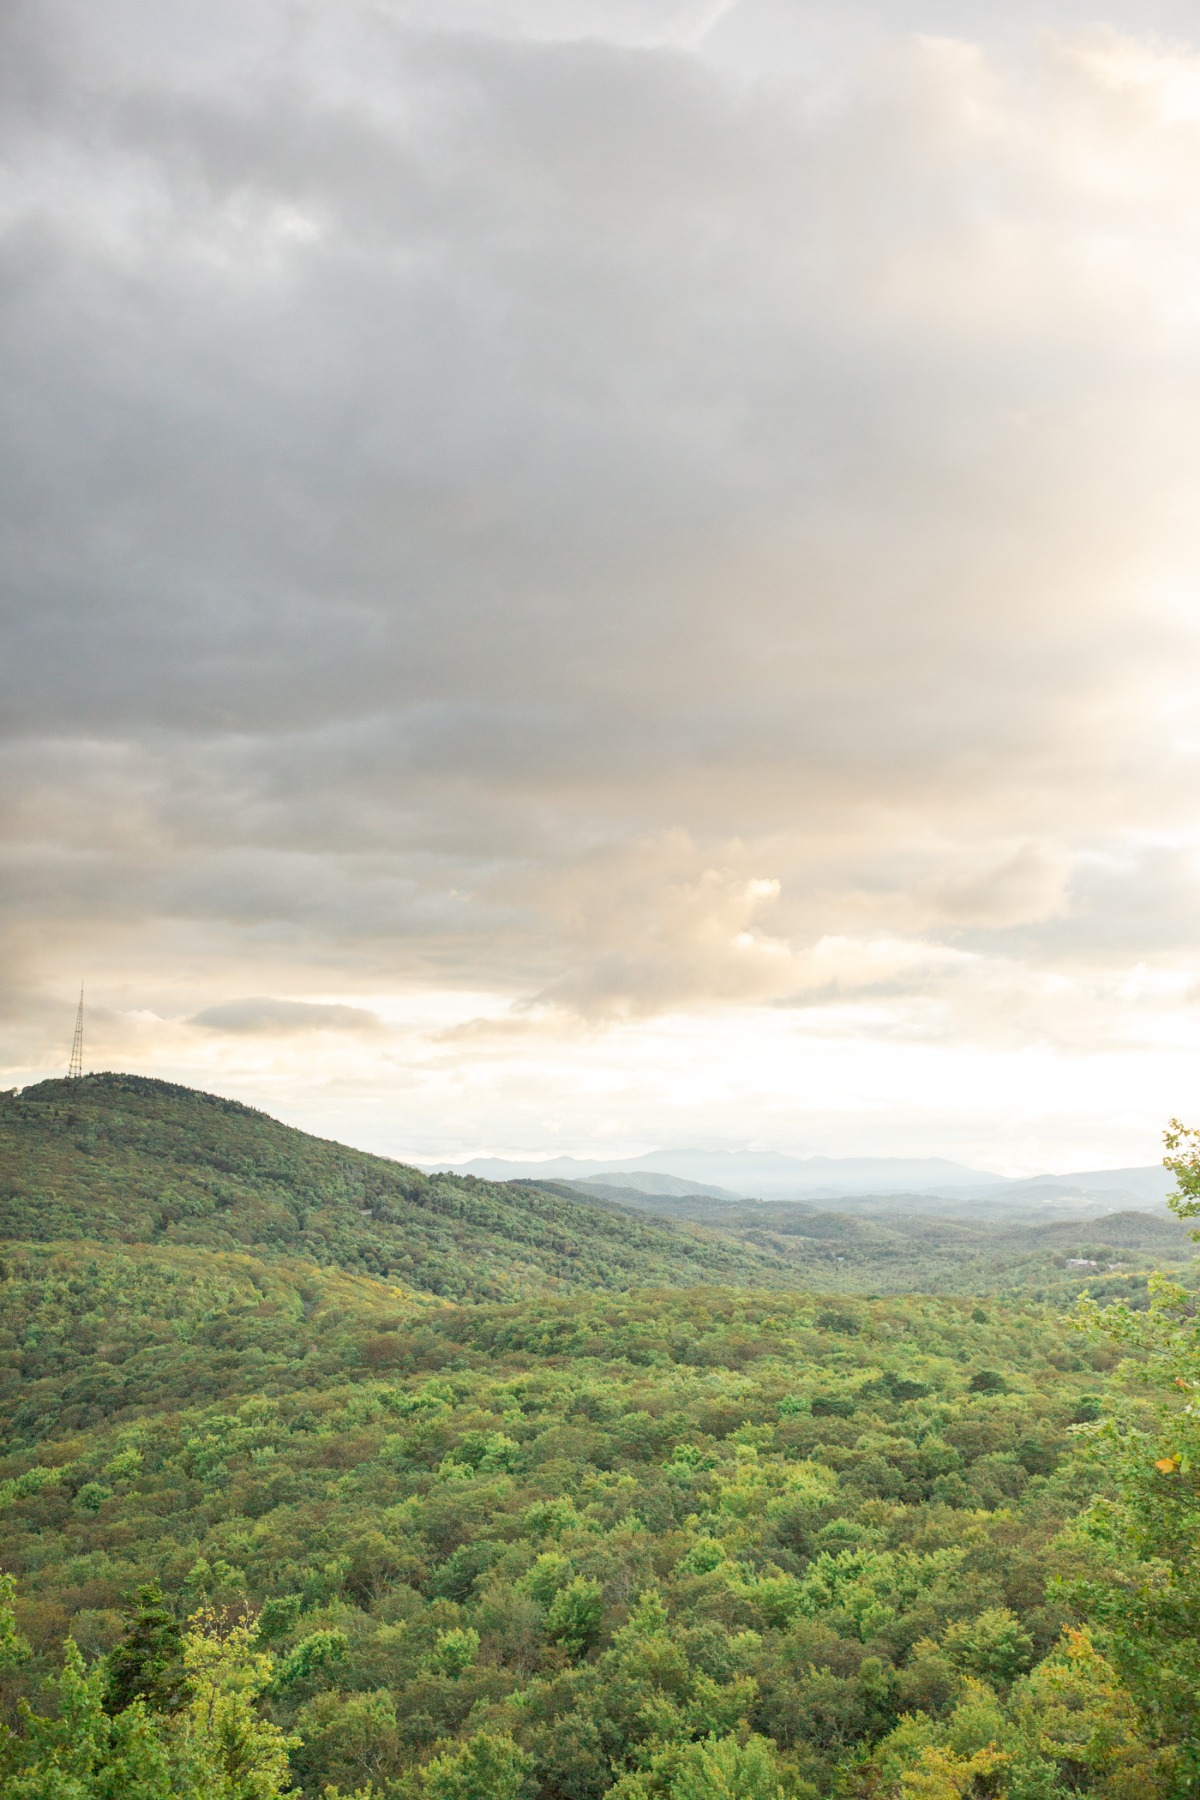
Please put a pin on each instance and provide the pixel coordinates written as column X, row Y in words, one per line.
column 942, row 1774
column 455, row 1651
column 244, row 1756
column 993, row 1645
column 727, row 1769
column 13, row 1648
column 575, row 1614
column 78, row 1752
column 148, row 1662
column 1183, row 1159
column 733, row 1767
column 1074, row 1719
column 349, row 1738
column 486, row 1767
column 214, row 1748
column 1145, row 1603
column 318, row 1651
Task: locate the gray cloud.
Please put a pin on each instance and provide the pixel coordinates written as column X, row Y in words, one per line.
column 261, row 1016
column 599, row 522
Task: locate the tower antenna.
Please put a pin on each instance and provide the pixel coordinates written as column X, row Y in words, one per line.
column 76, row 1068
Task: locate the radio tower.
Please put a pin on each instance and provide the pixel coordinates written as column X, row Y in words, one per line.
column 76, row 1068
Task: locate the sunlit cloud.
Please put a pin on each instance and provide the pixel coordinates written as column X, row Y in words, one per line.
column 544, row 538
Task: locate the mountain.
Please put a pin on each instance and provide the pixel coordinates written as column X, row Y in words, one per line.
column 1137, row 1187
column 928, row 1184
column 752, row 1174
column 615, row 1183
column 130, row 1160
column 124, row 1158
column 493, row 1549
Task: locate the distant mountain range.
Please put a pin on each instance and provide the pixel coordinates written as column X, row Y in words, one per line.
column 1149, row 1185
column 770, row 1175
column 125, row 1159
column 128, row 1161
column 751, row 1173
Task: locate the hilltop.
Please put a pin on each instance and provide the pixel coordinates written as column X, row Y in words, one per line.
column 130, row 1159
column 484, row 1500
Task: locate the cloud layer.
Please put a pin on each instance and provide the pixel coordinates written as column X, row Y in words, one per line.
column 612, row 514
column 261, row 1016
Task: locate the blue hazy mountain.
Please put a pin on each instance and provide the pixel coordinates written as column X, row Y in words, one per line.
column 752, row 1173
column 771, row 1175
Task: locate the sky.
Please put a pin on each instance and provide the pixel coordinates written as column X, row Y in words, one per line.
column 584, row 576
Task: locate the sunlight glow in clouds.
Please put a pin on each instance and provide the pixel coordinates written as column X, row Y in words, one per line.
column 589, row 576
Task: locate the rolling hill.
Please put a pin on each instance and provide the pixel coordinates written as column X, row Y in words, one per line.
column 129, row 1159
column 501, row 1476
column 973, row 1250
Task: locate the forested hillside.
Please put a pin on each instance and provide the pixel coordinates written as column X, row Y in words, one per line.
column 125, row 1158
column 897, row 1251
column 275, row 1525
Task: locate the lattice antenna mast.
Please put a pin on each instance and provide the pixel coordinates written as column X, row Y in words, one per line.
column 76, row 1068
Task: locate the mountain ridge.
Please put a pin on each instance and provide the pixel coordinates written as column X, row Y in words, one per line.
column 753, row 1175
column 129, row 1158
column 124, row 1159
column 769, row 1172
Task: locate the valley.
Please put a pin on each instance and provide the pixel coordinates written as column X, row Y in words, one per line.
column 497, row 1490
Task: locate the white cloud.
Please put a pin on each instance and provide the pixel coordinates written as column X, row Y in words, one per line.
column 557, row 504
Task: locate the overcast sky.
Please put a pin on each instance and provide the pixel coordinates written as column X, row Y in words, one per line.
column 583, row 576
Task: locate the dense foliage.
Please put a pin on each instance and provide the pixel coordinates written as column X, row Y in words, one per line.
column 1147, row 1597
column 900, row 1248
column 279, row 1527
column 127, row 1158
column 123, row 1158
column 96, row 1331
column 600, row 1528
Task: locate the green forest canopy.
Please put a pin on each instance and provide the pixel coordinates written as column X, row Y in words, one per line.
column 297, row 1495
